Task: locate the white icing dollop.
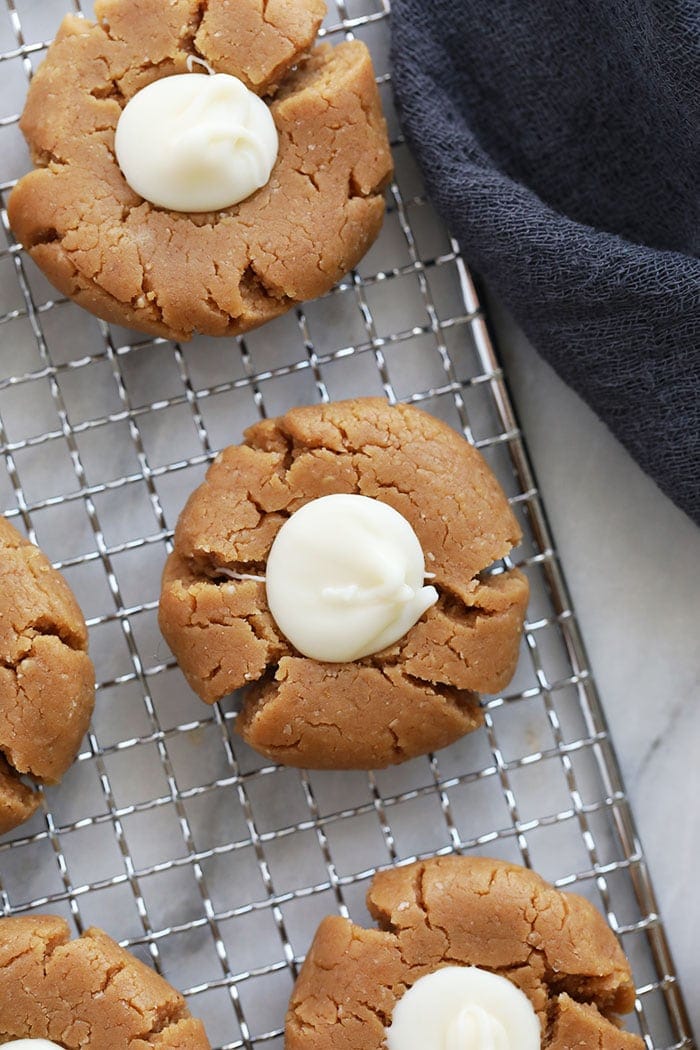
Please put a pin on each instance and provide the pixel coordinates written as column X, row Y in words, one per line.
column 463, row 1008
column 193, row 142
column 345, row 578
column 32, row 1044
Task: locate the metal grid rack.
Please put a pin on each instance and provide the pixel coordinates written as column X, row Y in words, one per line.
column 169, row 832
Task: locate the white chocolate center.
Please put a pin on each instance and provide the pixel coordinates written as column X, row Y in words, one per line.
column 31, row 1044
column 193, row 142
column 345, row 578
column 474, row 1028
column 464, row 1008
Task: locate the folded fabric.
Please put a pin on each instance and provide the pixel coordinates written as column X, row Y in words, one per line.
column 560, row 142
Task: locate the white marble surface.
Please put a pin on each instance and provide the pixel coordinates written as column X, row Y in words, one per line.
column 632, row 561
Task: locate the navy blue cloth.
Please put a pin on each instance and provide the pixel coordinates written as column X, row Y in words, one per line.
column 560, row 141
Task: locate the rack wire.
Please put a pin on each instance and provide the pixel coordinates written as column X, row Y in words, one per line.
column 205, row 860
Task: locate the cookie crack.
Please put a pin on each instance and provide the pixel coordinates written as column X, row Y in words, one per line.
column 227, row 572
column 465, row 699
column 111, row 90
column 148, row 298
column 48, row 158
column 121, row 97
column 13, row 716
column 382, row 1016
column 254, row 287
column 43, row 627
column 44, row 235
column 50, row 947
column 112, row 87
column 17, row 788
column 20, row 699
column 189, row 41
column 111, row 974
column 419, row 886
column 396, row 747
column 553, row 980
column 294, row 44
column 215, row 308
column 172, row 1019
column 310, row 176
column 554, row 1012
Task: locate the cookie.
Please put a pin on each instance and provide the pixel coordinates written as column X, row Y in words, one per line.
column 417, row 695
column 464, row 912
column 47, row 681
column 86, row 994
column 173, row 273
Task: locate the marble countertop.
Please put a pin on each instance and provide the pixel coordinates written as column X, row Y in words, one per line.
column 632, row 561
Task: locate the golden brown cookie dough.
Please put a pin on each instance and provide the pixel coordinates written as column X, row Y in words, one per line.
column 464, row 911
column 86, row 994
column 171, row 273
column 419, row 694
column 47, row 681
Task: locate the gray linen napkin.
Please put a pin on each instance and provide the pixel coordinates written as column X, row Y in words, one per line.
column 559, row 139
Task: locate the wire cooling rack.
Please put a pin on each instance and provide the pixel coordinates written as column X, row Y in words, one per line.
column 169, row 832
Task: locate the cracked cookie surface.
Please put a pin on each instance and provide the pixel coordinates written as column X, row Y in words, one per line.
column 47, row 681
column 86, row 994
column 170, row 273
column 418, row 695
column 464, row 911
